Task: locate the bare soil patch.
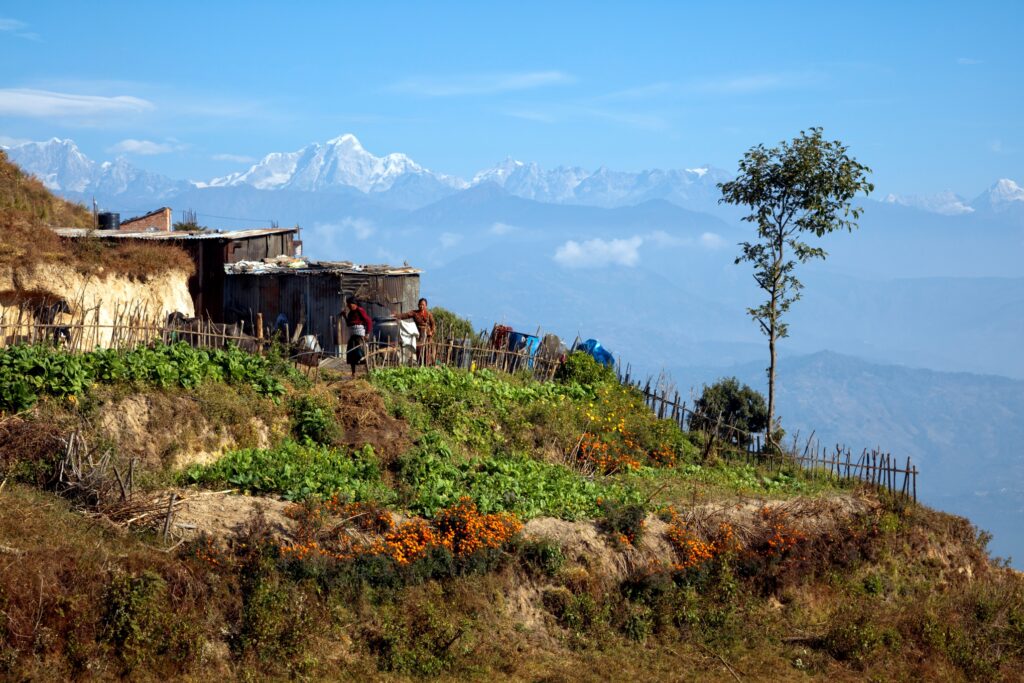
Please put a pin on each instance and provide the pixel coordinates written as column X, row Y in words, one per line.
column 221, row 514
column 173, row 429
column 365, row 419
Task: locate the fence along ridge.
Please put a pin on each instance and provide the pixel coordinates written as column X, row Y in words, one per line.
column 874, row 467
column 134, row 324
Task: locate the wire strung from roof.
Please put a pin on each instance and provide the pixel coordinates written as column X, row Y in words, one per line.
column 236, row 218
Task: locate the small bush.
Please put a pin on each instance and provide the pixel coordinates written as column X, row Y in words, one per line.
column 541, row 557
column 417, row 640
column 738, row 405
column 581, row 368
column 451, row 325
column 623, row 522
column 312, row 420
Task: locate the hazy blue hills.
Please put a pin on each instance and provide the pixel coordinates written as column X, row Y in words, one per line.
column 965, row 431
column 644, row 261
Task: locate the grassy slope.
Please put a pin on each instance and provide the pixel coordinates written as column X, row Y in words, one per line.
column 899, row 593
column 27, row 208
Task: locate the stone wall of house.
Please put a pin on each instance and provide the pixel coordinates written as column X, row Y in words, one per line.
column 157, row 220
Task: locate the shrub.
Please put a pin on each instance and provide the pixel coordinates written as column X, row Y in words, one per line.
column 451, row 325
column 738, row 405
column 131, row 615
column 541, row 556
column 581, row 368
column 274, row 620
column 623, row 522
column 312, row 420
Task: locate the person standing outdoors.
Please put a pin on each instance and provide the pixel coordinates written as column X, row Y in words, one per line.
column 359, row 328
column 424, row 320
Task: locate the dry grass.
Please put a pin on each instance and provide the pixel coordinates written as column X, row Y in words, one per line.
column 27, row 209
column 24, row 198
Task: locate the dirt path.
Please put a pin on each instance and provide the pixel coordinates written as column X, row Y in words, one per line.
column 222, row 514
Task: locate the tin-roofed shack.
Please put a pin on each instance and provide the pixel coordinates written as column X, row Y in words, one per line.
column 211, row 251
column 313, row 293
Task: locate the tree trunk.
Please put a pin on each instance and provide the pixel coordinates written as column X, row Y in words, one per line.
column 771, row 388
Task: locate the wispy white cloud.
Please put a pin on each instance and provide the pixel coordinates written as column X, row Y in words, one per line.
column 49, row 104
column 333, row 239
column 502, row 229
column 597, row 253
column 237, row 158
column 481, row 84
column 450, row 239
column 362, row 228
column 998, row 147
column 969, row 61
column 17, row 28
column 706, row 240
column 755, row 83
column 559, row 113
column 7, row 141
column 711, row 240
column 531, row 115
column 640, row 92
column 145, row 147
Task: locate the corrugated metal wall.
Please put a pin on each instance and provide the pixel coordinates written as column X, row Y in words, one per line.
column 260, row 247
column 315, row 299
column 383, row 294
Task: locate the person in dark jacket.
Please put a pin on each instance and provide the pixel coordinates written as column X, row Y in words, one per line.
column 359, row 328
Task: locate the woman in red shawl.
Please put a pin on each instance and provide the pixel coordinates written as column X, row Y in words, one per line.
column 424, row 320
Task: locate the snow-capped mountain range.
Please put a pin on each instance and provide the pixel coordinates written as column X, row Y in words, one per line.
column 342, row 164
column 63, row 168
column 341, row 161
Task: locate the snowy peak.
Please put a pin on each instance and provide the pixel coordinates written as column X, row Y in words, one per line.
column 62, row 167
column 57, row 163
column 339, row 162
column 603, row 187
column 1003, row 194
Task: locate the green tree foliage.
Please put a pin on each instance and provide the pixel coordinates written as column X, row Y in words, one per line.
column 452, row 325
column 801, row 187
column 581, row 368
column 735, row 405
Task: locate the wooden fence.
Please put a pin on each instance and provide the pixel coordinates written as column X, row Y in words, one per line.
column 131, row 326
column 877, row 469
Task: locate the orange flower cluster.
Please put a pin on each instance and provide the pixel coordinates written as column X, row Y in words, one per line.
column 609, row 458
column 367, row 516
column 407, row 542
column 783, row 537
column 206, row 551
column 694, row 551
column 663, row 456
column 461, row 529
column 466, row 531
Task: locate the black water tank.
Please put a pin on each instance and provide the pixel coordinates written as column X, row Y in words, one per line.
column 109, row 221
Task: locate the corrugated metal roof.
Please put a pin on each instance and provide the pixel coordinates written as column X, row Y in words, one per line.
column 211, row 235
column 300, row 265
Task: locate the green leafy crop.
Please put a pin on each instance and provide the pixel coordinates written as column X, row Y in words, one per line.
column 29, row 372
column 297, row 472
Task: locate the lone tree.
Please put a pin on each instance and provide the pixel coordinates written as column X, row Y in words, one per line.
column 798, row 188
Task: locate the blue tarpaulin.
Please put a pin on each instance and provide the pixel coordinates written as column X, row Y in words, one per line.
column 517, row 341
column 599, row 353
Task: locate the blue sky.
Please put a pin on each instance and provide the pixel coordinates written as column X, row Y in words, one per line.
column 928, row 94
